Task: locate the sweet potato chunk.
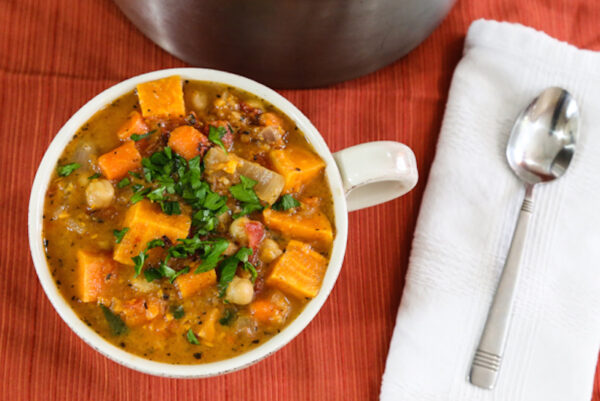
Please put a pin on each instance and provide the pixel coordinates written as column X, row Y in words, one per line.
column 208, row 330
column 161, row 98
column 116, row 163
column 188, row 142
column 191, row 283
column 146, row 222
column 94, row 271
column 297, row 166
column 133, row 125
column 299, row 271
column 311, row 225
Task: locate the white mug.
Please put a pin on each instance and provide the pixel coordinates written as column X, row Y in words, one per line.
column 360, row 176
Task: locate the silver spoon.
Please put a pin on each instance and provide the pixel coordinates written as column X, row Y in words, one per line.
column 540, row 148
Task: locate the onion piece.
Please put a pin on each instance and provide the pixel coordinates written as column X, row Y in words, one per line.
column 269, row 183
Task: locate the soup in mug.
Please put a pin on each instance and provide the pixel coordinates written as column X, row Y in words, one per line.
column 188, row 222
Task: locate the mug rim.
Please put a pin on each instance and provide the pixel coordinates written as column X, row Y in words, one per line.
column 130, row 360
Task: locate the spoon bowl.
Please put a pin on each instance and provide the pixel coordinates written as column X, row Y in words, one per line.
column 543, row 139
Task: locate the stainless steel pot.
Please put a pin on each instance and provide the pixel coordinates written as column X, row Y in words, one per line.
column 288, row 43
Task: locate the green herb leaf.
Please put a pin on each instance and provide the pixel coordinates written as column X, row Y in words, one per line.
column 250, row 268
column 170, row 273
column 120, row 234
column 216, row 134
column 135, row 175
column 137, row 137
column 155, row 243
column 170, row 207
column 177, row 311
column 229, row 266
column 116, row 324
column 152, row 274
column 248, row 208
column 286, row 202
column 123, row 183
column 244, row 193
column 139, row 195
column 67, row 169
column 139, row 262
column 228, row 316
column 214, row 255
column 93, row 177
column 191, row 337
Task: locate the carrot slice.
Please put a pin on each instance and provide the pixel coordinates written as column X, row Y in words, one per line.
column 188, row 142
column 134, row 125
column 116, row 163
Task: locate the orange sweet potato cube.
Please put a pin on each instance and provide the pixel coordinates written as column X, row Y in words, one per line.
column 299, row 271
column 190, row 284
column 311, row 226
column 116, row 163
column 162, row 98
column 298, row 166
column 94, row 272
column 188, row 142
column 133, row 125
column 146, row 222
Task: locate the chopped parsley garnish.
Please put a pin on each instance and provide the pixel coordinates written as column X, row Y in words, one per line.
column 169, row 273
column 155, row 243
column 229, row 266
column 228, row 316
column 244, row 193
column 67, row 169
column 286, row 202
column 123, row 183
column 177, row 311
column 139, row 261
column 135, row 175
column 139, row 195
column 120, row 234
column 138, row 137
column 116, row 324
column 212, row 257
column 216, row 134
column 191, row 337
column 93, row 177
column 152, row 274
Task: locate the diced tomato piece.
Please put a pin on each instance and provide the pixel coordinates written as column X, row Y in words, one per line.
column 256, row 232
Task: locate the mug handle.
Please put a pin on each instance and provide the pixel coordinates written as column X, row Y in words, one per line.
column 376, row 172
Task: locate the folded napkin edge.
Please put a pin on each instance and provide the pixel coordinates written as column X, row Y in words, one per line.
column 522, row 41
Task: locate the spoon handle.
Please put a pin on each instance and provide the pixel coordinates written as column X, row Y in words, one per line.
column 488, row 357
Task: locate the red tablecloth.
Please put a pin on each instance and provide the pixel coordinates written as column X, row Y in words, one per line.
column 57, row 54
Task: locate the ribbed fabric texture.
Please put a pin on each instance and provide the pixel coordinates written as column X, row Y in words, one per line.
column 465, row 225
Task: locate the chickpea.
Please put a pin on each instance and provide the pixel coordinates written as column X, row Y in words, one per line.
column 231, row 249
column 269, row 251
column 240, row 291
column 237, row 230
column 99, row 194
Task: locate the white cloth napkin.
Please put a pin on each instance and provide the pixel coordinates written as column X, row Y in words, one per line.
column 463, row 233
